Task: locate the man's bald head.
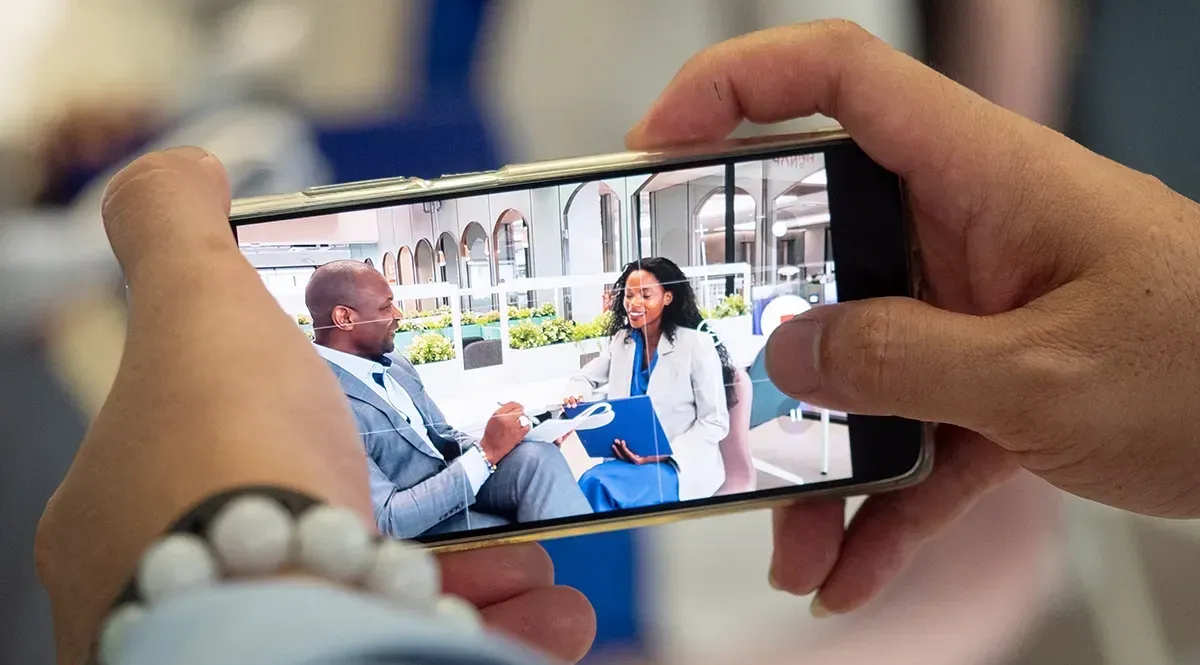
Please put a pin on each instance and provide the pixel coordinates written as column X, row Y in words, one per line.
column 335, row 283
column 352, row 309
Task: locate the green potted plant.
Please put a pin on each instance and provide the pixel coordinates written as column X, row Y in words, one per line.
column 306, row 324
column 732, row 322
column 557, row 331
column 526, row 335
column 428, row 348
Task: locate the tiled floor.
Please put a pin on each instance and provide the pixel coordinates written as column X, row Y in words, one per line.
column 795, row 448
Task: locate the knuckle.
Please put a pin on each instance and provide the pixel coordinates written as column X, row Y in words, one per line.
column 845, row 32
column 870, row 358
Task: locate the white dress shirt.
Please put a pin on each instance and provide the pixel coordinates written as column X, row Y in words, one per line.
column 365, row 370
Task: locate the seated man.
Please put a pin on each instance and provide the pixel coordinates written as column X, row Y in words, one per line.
column 426, row 476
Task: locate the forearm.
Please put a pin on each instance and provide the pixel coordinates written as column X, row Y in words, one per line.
column 178, row 427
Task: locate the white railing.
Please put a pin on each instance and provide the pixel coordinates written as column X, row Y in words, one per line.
column 556, row 283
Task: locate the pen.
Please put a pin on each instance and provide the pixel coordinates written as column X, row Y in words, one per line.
column 523, row 420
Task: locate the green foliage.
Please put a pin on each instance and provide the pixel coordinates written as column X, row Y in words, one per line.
column 597, row 327
column 429, row 348
column 489, row 317
column 469, row 318
column 304, row 319
column 526, row 335
column 405, row 325
column 516, row 313
column 603, row 321
column 437, row 322
column 705, row 313
column 545, row 309
column 583, row 331
column 732, row 305
column 443, row 309
column 558, row 330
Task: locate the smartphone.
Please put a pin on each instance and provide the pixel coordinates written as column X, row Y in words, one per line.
column 621, row 303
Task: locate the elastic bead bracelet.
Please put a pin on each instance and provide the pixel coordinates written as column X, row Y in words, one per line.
column 260, row 532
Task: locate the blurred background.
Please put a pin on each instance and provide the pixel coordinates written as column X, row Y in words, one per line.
column 293, row 93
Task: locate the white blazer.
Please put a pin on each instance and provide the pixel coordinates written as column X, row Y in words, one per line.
column 688, row 393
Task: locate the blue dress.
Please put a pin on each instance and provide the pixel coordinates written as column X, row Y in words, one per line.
column 617, row 484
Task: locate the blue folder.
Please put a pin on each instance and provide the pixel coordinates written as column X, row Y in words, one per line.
column 634, row 422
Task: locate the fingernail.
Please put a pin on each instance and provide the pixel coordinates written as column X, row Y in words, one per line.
column 818, row 609
column 190, row 152
column 772, row 581
column 793, row 356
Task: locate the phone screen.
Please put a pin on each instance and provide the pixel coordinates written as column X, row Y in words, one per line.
column 624, row 317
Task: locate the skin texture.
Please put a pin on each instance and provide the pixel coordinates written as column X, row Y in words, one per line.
column 1059, row 329
column 645, row 300
column 353, row 309
column 188, row 396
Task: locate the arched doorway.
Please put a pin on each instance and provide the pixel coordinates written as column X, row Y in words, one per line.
column 610, row 229
column 799, row 228
column 406, row 274
column 389, row 267
column 477, row 263
column 446, row 261
column 423, row 258
column 514, row 256
column 709, row 225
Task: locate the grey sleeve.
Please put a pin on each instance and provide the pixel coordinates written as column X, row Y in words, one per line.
column 280, row 622
column 407, row 513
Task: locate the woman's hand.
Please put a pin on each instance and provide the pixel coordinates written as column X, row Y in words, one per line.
column 622, row 451
column 568, row 403
column 1063, row 307
column 221, row 389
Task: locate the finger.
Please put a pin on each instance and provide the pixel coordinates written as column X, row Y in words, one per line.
column 618, row 452
column 808, row 536
column 489, row 576
column 897, row 356
column 169, row 208
column 556, row 619
column 910, row 119
column 889, row 528
column 186, row 396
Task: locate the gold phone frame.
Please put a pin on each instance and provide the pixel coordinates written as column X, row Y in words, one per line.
column 398, row 191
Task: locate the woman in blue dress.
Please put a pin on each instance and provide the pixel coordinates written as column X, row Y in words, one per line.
column 655, row 349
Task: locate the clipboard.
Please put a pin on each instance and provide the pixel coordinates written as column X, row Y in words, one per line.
column 631, row 419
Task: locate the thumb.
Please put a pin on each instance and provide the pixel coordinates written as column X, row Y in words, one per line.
column 166, row 208
column 895, row 356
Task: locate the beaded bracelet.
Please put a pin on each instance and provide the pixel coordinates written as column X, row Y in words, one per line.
column 262, row 531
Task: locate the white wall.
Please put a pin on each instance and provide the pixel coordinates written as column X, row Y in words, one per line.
column 585, row 254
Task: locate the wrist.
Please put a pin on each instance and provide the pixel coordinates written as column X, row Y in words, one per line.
column 487, row 459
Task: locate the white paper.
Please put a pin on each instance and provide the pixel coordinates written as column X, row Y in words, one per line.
column 593, row 417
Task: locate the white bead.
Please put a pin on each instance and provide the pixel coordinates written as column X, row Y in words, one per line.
column 459, row 613
column 173, row 565
column 404, row 573
column 334, row 543
column 252, row 535
column 116, row 628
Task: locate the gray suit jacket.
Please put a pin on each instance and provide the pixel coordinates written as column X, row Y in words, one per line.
column 412, row 487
